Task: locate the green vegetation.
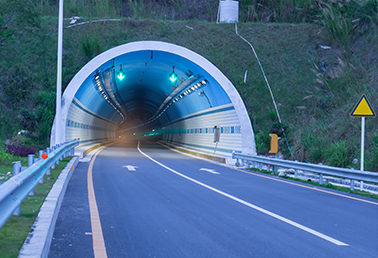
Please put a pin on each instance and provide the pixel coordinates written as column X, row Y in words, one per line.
column 7, row 159
column 315, row 88
column 326, row 185
column 17, row 228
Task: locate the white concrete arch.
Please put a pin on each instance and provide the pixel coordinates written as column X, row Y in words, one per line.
column 248, row 141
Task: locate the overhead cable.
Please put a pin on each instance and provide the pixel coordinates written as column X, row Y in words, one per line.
column 268, row 85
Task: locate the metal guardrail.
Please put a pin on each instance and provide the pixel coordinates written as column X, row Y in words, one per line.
column 252, row 160
column 17, row 188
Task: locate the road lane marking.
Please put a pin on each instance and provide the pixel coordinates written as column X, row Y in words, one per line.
column 99, row 248
column 210, row 171
column 283, row 219
column 256, row 173
column 130, row 168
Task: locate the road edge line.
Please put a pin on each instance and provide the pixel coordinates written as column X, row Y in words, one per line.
column 283, row 219
column 99, row 249
column 282, row 180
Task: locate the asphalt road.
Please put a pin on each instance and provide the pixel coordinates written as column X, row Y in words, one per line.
column 166, row 204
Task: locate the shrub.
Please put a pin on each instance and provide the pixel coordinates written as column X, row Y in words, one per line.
column 338, row 24
column 5, row 158
column 371, row 159
column 21, row 151
column 18, row 147
column 340, row 154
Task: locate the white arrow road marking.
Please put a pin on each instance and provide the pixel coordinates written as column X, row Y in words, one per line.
column 269, row 213
column 130, row 168
column 209, row 170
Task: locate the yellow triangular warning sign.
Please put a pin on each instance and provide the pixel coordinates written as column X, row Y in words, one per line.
column 363, row 108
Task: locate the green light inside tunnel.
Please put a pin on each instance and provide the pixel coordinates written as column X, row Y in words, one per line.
column 121, row 74
column 173, row 77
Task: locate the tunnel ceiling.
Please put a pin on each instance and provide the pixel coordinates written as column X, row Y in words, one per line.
column 97, row 106
column 147, row 91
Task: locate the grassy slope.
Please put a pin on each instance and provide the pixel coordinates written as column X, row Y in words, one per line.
column 314, row 107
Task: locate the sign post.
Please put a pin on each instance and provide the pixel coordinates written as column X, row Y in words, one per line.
column 363, row 109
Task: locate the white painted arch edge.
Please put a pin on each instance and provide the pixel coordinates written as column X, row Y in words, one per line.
column 248, row 147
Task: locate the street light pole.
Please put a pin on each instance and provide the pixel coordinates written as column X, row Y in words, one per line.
column 59, row 77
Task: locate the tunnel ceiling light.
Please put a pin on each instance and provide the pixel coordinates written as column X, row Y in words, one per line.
column 104, row 94
column 173, row 76
column 121, row 74
column 189, row 74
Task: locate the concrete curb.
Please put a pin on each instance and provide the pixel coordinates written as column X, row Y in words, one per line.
column 38, row 242
column 82, row 151
column 217, row 158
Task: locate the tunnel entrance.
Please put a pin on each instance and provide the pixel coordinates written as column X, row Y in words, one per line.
column 157, row 90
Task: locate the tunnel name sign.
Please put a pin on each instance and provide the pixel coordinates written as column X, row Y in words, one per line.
column 363, row 109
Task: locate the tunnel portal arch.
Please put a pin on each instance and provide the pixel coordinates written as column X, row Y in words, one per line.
column 97, row 106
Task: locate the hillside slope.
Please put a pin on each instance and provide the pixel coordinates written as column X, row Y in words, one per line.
column 315, row 88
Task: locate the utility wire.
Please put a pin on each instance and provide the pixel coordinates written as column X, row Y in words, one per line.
column 267, row 83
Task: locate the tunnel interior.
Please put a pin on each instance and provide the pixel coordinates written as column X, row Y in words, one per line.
column 155, row 90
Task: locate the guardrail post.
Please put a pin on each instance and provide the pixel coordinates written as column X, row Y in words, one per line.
column 40, row 152
column 362, row 185
column 17, row 211
column 16, row 167
column 296, row 173
column 30, row 160
column 48, row 171
column 260, row 166
column 320, row 179
column 57, row 161
column 352, row 184
column 53, row 148
column 61, row 157
column 17, row 170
